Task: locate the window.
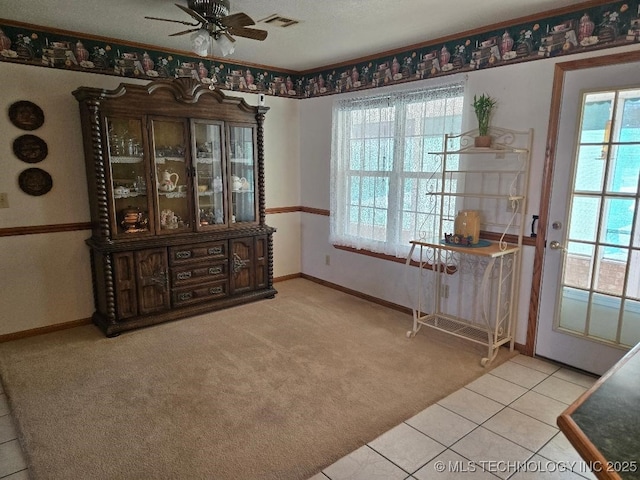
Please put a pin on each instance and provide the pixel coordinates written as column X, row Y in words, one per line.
column 381, row 167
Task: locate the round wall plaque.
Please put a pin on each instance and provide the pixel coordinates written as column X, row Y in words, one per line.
column 35, row 181
column 30, row 148
column 26, row 115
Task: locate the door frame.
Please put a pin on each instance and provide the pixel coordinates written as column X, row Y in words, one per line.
column 549, row 161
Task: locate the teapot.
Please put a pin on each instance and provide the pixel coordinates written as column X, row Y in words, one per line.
column 238, row 183
column 168, row 184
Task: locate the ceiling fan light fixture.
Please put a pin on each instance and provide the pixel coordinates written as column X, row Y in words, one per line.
column 225, row 45
column 201, row 42
column 214, row 26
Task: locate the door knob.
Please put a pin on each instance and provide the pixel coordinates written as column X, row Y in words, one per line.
column 556, row 246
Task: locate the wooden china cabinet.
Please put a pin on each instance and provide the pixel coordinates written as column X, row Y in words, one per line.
column 175, row 172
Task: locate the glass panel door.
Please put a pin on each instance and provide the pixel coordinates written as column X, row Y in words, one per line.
column 242, row 174
column 209, row 182
column 131, row 202
column 170, row 169
column 599, row 296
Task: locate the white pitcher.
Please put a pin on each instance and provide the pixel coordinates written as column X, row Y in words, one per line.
column 169, row 181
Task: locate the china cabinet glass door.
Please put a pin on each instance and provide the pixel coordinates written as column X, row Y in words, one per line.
column 171, row 176
column 242, row 174
column 131, row 202
column 209, row 180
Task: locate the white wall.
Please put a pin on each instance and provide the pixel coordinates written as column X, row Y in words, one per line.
column 45, row 279
column 282, row 180
column 524, row 94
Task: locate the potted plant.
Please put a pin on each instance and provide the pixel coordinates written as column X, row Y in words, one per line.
column 483, row 105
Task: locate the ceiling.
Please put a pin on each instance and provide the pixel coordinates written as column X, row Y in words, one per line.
column 329, row 32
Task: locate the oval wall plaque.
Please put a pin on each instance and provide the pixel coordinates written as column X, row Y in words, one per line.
column 30, row 148
column 35, row 181
column 26, row 115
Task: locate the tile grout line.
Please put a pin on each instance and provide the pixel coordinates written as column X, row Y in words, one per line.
column 23, row 470
column 421, row 466
column 558, row 369
column 21, row 450
column 473, row 429
column 553, row 461
column 515, row 410
column 503, row 407
column 517, row 398
column 531, row 453
column 389, row 460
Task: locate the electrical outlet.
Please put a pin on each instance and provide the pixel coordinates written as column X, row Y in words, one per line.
column 4, row 200
column 327, row 260
column 444, row 291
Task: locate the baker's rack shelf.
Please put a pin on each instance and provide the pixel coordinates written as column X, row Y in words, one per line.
column 471, row 292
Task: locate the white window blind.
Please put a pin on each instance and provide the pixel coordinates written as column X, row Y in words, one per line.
column 381, row 167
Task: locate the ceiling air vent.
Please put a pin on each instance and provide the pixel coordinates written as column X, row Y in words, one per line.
column 279, row 21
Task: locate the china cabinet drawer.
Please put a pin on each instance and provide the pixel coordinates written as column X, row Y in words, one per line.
column 197, row 253
column 199, row 273
column 198, row 294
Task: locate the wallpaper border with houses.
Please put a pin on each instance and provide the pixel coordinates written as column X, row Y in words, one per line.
column 596, row 27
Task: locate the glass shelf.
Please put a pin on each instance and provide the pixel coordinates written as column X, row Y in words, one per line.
column 160, row 160
column 138, row 159
column 129, row 195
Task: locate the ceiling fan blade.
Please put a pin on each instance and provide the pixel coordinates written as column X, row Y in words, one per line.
column 193, row 13
column 231, row 39
column 237, row 20
column 184, row 32
column 252, row 33
column 191, row 24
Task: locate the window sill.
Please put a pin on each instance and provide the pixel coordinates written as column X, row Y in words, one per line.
column 529, row 241
column 390, row 258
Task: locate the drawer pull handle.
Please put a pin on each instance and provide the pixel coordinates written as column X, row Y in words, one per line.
column 184, row 275
column 215, row 250
column 215, row 270
column 183, row 254
column 185, row 296
column 215, row 290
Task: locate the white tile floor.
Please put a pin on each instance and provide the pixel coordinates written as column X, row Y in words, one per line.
column 12, row 463
column 502, row 425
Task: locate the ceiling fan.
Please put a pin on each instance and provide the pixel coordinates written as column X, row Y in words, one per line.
column 213, row 21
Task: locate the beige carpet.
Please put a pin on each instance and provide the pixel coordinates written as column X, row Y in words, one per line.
column 277, row 389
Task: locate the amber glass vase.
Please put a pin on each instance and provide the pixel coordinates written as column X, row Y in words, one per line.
column 467, row 224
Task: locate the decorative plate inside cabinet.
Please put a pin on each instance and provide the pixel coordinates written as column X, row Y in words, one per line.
column 35, row 181
column 26, row 115
column 30, row 148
